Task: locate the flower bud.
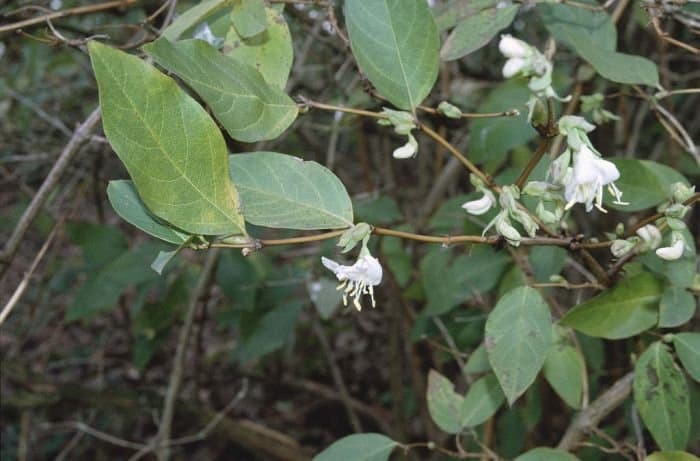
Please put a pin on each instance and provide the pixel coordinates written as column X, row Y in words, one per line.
column 675, row 251
column 449, row 110
column 480, row 206
column 513, row 48
column 681, row 192
column 513, row 66
column 651, row 236
column 620, row 248
column 408, row 150
column 504, row 228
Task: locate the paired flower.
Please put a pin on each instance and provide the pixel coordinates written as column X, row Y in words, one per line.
column 526, row 61
column 358, row 279
column 511, row 209
column 585, row 182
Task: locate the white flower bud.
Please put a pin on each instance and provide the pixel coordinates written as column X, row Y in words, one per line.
column 513, row 66
column 681, row 192
column 408, row 150
column 651, row 235
column 504, row 228
column 673, row 252
column 480, row 206
column 620, row 248
column 513, row 48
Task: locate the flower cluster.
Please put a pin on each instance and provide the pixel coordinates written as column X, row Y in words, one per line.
column 525, row 60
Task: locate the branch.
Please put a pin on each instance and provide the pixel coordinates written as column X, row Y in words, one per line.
column 80, row 10
column 589, row 418
column 79, row 137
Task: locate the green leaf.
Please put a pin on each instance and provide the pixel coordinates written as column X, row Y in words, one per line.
column 518, row 336
column 172, row 149
column 482, row 400
column 162, row 260
column 476, row 31
column 623, row 311
column 687, row 347
column 101, row 291
column 493, row 138
column 619, row 67
column 644, row 184
column 661, row 396
column 677, row 307
column 444, row 404
column 564, row 368
column 478, row 361
column 194, row 16
column 100, row 244
column 359, row 447
column 568, row 23
column 240, row 278
column 248, row 17
column 128, row 205
column 287, row 192
column 396, row 45
column 547, row 261
column 272, row 332
column 546, row 454
column 270, row 52
column 325, row 296
column 249, row 108
column 592, row 35
column 450, row 14
column 448, row 285
column 379, row 210
column 671, row 456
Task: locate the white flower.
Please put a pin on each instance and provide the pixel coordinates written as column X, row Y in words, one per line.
column 584, row 184
column 358, row 279
column 513, row 66
column 480, row 206
column 675, row 251
column 511, row 47
column 408, row 150
column 651, row 235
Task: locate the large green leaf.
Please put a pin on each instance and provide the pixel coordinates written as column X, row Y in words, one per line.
column 644, row 184
column 248, row 17
column 592, row 35
column 567, row 23
column 546, row 454
column 127, row 203
column 476, row 31
column 248, row 107
column 482, row 400
column 687, row 347
column 359, row 447
column 661, row 396
column 518, row 336
column 625, row 310
column 677, row 307
column 449, row 14
column 444, row 404
column 282, row 191
column 271, row 332
column 270, row 52
column 564, row 368
column 396, row 45
column 172, row 149
column 194, row 16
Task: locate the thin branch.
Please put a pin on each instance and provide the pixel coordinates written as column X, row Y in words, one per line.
column 589, row 418
column 160, row 444
column 80, row 10
column 505, row 113
column 77, row 140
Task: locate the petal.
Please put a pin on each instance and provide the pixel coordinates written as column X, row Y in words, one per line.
column 671, row 253
column 478, row 207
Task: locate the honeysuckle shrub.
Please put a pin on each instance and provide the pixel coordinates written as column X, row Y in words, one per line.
column 552, row 244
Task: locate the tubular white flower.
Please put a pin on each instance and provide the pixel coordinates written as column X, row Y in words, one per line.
column 589, row 174
column 480, row 206
column 511, row 47
column 673, row 252
column 358, row 279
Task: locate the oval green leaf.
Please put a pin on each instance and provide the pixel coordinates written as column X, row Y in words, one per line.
column 249, row 108
column 287, row 192
column 397, row 47
column 444, row 404
column 661, row 396
column 482, row 400
column 564, row 368
column 476, row 31
column 517, row 337
column 687, row 347
column 172, row 149
column 546, row 454
column 644, row 184
column 128, row 205
column 248, row 17
column 270, row 52
column 677, row 307
column 671, row 456
column 623, row 311
column 359, row 447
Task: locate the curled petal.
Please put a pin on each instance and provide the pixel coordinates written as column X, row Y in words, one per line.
column 480, row 206
column 673, row 252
